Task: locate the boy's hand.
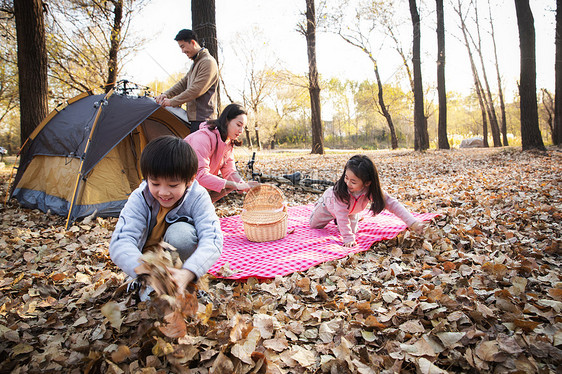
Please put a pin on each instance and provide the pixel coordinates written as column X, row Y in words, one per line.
column 182, row 277
column 352, row 243
column 418, row 227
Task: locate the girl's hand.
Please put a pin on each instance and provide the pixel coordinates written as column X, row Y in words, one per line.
column 418, row 227
column 181, row 277
column 352, row 243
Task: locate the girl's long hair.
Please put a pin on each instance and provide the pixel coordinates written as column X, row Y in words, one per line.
column 364, row 168
column 228, row 114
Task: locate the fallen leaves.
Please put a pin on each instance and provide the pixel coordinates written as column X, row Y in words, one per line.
column 481, row 291
column 112, row 312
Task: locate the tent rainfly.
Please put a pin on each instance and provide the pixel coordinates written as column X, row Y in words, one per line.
column 83, row 159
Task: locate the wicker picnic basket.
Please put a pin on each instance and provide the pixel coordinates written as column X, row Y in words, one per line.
column 264, row 214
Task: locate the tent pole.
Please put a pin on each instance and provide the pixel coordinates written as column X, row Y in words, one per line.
column 72, row 202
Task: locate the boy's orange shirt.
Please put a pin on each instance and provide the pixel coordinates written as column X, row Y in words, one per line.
column 159, row 229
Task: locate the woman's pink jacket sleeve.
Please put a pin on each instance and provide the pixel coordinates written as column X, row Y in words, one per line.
column 213, row 156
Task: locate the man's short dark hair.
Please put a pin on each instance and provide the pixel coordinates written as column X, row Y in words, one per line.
column 169, row 157
column 186, row 35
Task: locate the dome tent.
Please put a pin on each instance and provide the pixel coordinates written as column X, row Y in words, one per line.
column 83, row 158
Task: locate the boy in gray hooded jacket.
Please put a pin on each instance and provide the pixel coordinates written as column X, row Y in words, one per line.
column 169, row 205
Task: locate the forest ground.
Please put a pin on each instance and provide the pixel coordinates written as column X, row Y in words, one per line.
column 481, row 291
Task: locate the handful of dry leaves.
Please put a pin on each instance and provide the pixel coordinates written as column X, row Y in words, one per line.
column 174, row 304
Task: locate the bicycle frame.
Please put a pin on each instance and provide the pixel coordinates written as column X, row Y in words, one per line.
column 307, row 184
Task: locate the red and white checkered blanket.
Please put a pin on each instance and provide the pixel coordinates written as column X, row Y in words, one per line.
column 303, row 248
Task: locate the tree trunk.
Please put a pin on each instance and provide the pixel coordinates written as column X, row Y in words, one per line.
column 314, row 86
column 480, row 94
column 32, row 64
column 477, row 85
column 530, row 133
column 443, row 143
column 384, row 109
column 114, row 45
column 548, row 105
column 400, row 51
column 248, row 137
column 500, row 89
column 257, row 132
column 203, row 22
column 421, row 137
column 487, row 94
column 558, row 77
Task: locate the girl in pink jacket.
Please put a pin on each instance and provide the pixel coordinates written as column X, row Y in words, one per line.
column 358, row 186
column 213, row 143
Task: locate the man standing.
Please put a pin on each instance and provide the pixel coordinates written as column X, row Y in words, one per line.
column 199, row 86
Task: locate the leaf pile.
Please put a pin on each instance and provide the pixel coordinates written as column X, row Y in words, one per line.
column 173, row 304
column 480, row 292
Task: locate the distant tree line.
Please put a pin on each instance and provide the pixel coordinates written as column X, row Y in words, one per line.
column 76, row 45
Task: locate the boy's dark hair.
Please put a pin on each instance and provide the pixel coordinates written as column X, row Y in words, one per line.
column 228, row 114
column 170, row 157
column 186, row 35
column 364, row 168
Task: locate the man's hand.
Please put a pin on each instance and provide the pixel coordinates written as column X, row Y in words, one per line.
column 181, row 277
column 161, row 100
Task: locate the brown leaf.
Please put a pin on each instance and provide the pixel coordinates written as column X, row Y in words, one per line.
column 222, row 364
column 244, row 350
column 162, row 348
column 555, row 293
column 371, row 321
column 526, row 325
column 277, row 344
column 448, row 266
column 265, row 324
column 304, row 284
column 187, row 304
column 323, row 295
column 174, row 325
column 121, row 354
column 240, row 329
column 112, row 312
column 488, row 351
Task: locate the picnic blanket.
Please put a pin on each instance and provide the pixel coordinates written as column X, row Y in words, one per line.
column 302, row 248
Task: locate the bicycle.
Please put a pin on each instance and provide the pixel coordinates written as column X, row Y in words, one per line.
column 296, row 180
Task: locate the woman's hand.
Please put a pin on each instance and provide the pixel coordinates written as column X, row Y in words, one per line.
column 352, row 243
column 418, row 227
column 245, row 186
column 181, row 277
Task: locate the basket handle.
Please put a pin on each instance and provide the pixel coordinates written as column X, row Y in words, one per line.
column 282, row 209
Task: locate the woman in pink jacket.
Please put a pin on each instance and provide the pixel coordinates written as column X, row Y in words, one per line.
column 358, row 186
column 213, row 143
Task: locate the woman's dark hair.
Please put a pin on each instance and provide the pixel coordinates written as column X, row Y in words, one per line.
column 228, row 114
column 364, row 168
column 168, row 157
